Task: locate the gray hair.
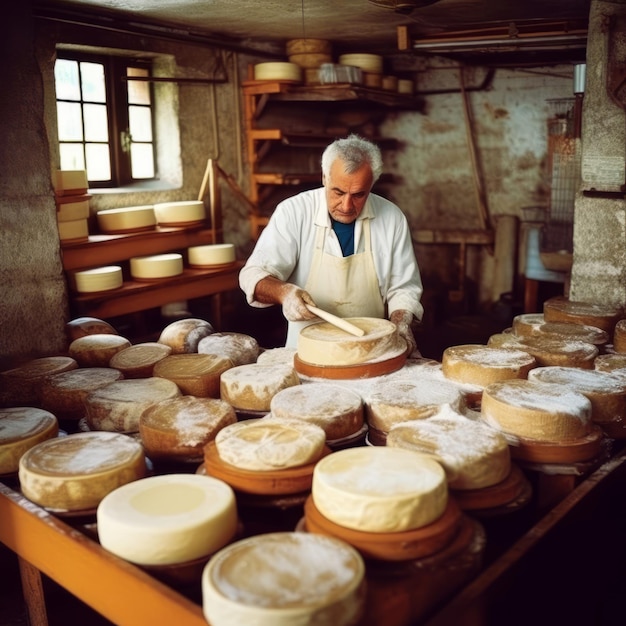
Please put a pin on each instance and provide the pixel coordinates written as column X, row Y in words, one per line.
column 354, row 151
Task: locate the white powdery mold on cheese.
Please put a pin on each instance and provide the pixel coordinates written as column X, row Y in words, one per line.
column 284, row 356
column 241, row 349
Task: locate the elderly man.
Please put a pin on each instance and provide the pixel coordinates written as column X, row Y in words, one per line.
column 340, row 248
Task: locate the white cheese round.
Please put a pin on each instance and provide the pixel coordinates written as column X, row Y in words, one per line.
column 98, row 279
column 162, row 520
column 126, row 219
column 240, row 348
column 156, row 266
column 179, row 213
column 211, row 254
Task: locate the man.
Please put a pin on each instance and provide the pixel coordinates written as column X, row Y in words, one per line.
column 338, row 247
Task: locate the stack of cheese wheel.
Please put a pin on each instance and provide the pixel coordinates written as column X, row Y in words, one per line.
column 183, row 336
column 20, row 385
column 338, row 411
column 194, row 374
column 118, row 406
column 282, row 579
column 156, row 266
column 391, row 402
column 530, row 413
column 168, row 519
column 178, row 429
column 278, row 70
column 606, row 392
column 97, row 350
column 74, row 230
column 561, row 309
column 138, row 361
column 126, row 219
column 98, row 279
column 74, row 473
column 251, row 387
column 371, row 64
column 619, row 337
column 81, row 326
column 211, row 255
column 64, row 394
column 21, row 428
column 309, row 54
column 240, row 348
column 183, row 213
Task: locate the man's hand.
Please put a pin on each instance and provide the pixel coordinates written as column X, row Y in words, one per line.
column 294, row 302
column 402, row 319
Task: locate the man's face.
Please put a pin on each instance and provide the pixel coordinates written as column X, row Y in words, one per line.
column 346, row 194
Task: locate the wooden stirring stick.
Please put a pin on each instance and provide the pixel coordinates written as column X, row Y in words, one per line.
column 336, row 321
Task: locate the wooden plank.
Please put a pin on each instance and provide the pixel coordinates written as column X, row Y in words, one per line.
column 469, row 237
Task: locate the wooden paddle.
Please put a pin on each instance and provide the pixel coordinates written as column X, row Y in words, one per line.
column 336, row 321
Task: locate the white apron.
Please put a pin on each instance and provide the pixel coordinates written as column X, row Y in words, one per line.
column 346, row 286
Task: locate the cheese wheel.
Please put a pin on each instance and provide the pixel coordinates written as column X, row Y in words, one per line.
column 267, row 444
column 611, row 363
column 536, row 410
column 118, row 406
column 367, row 62
column 20, row 385
column 251, row 387
column 73, row 230
column 169, row 519
column 184, row 335
column 619, row 337
column 179, row 213
column 126, row 219
column 64, row 394
column 607, row 393
column 379, row 489
column 69, row 181
column 277, row 70
column 156, row 266
column 81, row 326
column 97, row 350
column 138, row 361
column 284, row 579
column 473, row 455
column 21, row 428
column 480, row 365
column 238, row 347
column 561, row 309
column 74, row 473
column 395, row 401
column 277, row 355
column 338, row 411
column 531, row 324
column 211, row 254
column 74, row 209
column 179, row 428
column 322, row 343
column 98, row 279
column 194, row 374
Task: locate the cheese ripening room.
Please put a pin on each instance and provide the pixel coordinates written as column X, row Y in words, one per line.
column 246, row 379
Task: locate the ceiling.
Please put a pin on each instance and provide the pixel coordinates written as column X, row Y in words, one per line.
column 490, row 32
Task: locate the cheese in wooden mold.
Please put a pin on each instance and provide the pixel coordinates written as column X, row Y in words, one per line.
column 379, row 489
column 74, row 472
column 284, row 579
column 167, row 519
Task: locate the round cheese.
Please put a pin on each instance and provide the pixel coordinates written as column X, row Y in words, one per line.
column 379, row 489
column 98, row 279
column 241, row 349
column 536, row 410
column 212, row 254
column 179, row 428
column 322, row 343
column 21, row 428
column 156, row 266
column 179, row 213
column 20, row 385
column 606, row 392
column 64, row 394
column 480, row 365
column 81, row 326
column 619, row 337
column 394, row 401
column 118, row 406
column 534, row 324
column 184, row 335
column 194, row 374
column 284, row 579
column 138, row 361
column 284, row 356
column 163, row 520
column 561, row 309
column 611, row 363
column 126, row 219
column 251, row 387
column 97, row 350
column 367, row 62
column 473, row 455
column 338, row 411
column 270, row 444
column 277, row 70
column 74, row 230
column 74, row 473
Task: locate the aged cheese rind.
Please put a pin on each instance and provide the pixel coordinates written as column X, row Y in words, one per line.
column 167, row 519
column 379, row 489
column 195, row 374
column 241, row 349
column 97, row 350
column 184, row 335
column 138, row 361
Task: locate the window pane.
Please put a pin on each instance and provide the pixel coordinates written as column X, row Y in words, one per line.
column 72, row 156
column 142, row 160
column 98, row 162
column 96, row 122
column 92, row 76
column 66, row 79
column 140, row 123
column 69, row 119
column 138, row 90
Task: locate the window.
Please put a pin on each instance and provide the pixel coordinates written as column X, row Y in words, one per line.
column 105, row 118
